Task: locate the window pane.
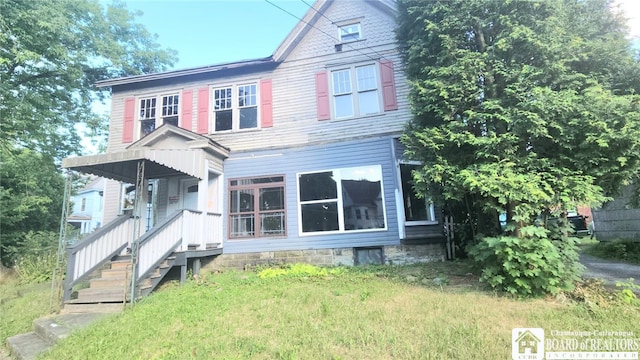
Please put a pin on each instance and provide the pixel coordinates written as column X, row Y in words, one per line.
column 222, row 99
column 362, row 196
column 147, row 109
column 368, row 102
column 264, row 180
column 173, row 120
column 343, row 106
column 320, row 217
column 223, row 120
column 272, row 198
column 366, row 78
column 415, row 209
column 341, row 82
column 318, row 186
column 241, row 201
column 350, row 32
column 247, row 95
column 248, row 118
column 170, row 105
column 272, row 224
column 242, row 225
column 147, row 126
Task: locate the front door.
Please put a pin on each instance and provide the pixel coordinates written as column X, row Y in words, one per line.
column 190, row 194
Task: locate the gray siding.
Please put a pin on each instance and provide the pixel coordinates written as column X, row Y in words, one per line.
column 315, row 158
column 617, row 219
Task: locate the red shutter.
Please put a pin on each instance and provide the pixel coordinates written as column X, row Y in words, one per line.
column 129, row 119
column 266, row 104
column 388, row 86
column 322, row 96
column 186, row 116
column 203, row 111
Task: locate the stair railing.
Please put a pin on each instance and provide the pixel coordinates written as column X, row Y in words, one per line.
column 95, row 250
column 159, row 242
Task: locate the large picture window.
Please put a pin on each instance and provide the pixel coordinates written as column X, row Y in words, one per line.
column 342, row 200
column 157, row 110
column 416, row 210
column 256, row 207
column 235, row 107
column 355, row 91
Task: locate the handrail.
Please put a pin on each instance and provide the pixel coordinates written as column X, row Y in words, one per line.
column 98, row 233
column 88, row 255
column 162, row 225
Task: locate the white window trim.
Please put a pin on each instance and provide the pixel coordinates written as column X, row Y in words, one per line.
column 158, row 119
column 235, row 108
column 343, row 25
column 431, row 207
column 355, row 98
column 340, row 204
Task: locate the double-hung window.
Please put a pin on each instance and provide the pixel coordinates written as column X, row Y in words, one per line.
column 349, row 32
column 355, row 91
column 341, row 200
column 158, row 110
column 235, row 107
column 256, row 207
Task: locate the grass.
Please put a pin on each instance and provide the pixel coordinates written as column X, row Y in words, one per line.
column 434, row 311
column 20, row 305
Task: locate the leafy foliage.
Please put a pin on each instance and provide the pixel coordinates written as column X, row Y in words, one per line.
column 51, row 54
column 298, row 270
column 531, row 265
column 35, row 256
column 526, row 107
column 622, row 249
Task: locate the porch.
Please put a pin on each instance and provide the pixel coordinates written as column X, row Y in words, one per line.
column 129, row 256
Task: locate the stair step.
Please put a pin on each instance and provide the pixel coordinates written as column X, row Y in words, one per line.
column 54, row 329
column 80, row 308
column 100, row 295
column 114, row 273
column 27, row 346
column 102, row 283
column 120, row 264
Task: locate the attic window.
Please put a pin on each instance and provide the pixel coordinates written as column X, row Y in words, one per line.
column 348, row 33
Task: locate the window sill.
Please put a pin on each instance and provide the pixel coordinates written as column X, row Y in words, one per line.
column 380, row 114
column 339, row 232
column 420, row 223
column 226, row 132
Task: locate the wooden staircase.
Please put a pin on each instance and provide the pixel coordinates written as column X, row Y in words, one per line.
column 109, row 289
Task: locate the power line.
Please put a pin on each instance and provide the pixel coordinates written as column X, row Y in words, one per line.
column 325, row 33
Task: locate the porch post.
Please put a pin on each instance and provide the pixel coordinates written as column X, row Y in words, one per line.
column 203, row 205
column 138, row 212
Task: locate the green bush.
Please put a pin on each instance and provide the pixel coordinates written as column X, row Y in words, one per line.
column 528, row 266
column 36, row 257
column 623, row 249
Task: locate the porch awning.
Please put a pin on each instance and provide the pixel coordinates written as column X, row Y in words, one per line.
column 159, row 163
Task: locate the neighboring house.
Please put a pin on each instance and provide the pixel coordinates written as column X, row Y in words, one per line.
column 617, row 219
column 293, row 157
column 86, row 214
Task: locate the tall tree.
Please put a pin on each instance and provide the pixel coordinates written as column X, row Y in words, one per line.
column 526, row 106
column 51, row 54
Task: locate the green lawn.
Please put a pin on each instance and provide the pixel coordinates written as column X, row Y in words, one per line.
column 435, row 311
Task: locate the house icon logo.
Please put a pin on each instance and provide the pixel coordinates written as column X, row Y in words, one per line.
column 527, row 344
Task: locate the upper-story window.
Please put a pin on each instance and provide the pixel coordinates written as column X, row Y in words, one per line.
column 158, row 110
column 235, row 107
column 351, row 32
column 355, row 91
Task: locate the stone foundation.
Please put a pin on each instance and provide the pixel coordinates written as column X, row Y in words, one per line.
column 391, row 255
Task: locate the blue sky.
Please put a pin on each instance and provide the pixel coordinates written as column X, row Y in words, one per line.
column 206, row 32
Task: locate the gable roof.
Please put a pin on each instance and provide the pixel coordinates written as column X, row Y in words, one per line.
column 310, row 19
column 168, row 151
column 289, row 43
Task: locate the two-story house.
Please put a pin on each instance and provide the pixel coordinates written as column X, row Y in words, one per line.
column 86, row 213
column 290, row 158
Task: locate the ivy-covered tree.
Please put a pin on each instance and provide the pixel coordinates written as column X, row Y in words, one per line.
column 526, row 107
column 51, row 54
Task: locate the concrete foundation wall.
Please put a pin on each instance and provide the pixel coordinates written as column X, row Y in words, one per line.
column 392, row 255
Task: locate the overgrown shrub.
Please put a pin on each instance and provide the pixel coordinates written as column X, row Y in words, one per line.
column 36, row 257
column 527, row 266
column 623, row 249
